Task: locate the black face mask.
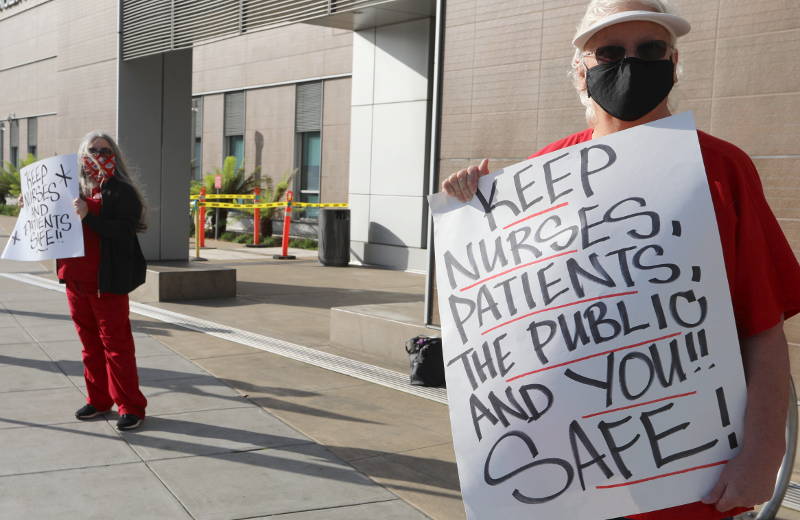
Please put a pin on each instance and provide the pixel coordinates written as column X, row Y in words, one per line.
column 631, row 87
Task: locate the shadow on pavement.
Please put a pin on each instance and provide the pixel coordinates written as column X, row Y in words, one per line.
column 145, row 438
column 46, row 315
column 174, row 381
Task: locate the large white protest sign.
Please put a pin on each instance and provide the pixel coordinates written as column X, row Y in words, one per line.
column 593, row 366
column 47, row 226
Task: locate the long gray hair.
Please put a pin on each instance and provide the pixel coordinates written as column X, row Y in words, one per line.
column 87, row 183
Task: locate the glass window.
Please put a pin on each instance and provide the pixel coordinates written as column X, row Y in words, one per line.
column 14, row 141
column 197, row 159
column 310, row 160
column 33, row 135
column 197, row 138
column 234, row 145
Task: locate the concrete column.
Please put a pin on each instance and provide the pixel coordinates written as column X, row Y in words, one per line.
column 154, row 131
column 389, row 144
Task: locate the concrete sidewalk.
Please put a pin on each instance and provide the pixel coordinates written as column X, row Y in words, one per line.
column 204, row 451
column 233, row 432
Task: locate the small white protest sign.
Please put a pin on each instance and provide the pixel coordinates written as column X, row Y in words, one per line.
column 593, row 365
column 48, row 226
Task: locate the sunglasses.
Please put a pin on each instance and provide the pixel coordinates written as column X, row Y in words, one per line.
column 652, row 50
column 104, row 152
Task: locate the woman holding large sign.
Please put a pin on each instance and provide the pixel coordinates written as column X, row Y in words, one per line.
column 625, row 65
column 98, row 283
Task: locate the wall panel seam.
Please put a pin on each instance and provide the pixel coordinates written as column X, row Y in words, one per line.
column 87, row 65
column 29, row 63
column 761, row 34
column 24, row 10
column 272, row 85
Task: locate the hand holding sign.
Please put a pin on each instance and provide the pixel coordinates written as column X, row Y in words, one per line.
column 48, row 226
column 464, row 183
column 588, row 330
column 80, row 207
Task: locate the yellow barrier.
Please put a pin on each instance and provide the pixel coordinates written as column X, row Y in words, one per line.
column 201, row 203
column 210, row 196
column 320, row 205
column 264, row 205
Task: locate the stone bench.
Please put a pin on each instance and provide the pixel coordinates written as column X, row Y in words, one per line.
column 176, row 281
column 379, row 330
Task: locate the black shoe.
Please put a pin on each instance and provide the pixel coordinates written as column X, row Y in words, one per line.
column 88, row 412
column 128, row 421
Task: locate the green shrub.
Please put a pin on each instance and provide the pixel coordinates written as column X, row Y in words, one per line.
column 9, row 211
column 234, row 181
column 9, row 178
column 271, row 241
column 303, row 243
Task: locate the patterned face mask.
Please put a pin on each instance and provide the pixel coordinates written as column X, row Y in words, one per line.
column 100, row 166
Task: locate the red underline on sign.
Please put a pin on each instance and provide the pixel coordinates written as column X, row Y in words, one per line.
column 517, row 267
column 664, row 475
column 487, row 331
column 593, row 356
column 639, row 404
column 536, row 214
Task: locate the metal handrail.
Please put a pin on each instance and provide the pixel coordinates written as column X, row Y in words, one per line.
column 770, row 508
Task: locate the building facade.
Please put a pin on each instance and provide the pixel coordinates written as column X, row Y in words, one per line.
column 372, row 102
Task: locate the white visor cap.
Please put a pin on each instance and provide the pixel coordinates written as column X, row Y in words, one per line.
column 676, row 25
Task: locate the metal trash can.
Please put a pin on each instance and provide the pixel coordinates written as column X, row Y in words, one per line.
column 334, row 236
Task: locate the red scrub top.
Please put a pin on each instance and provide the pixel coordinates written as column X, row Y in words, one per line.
column 84, row 268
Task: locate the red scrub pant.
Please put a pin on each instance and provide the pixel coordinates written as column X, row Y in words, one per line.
column 109, row 360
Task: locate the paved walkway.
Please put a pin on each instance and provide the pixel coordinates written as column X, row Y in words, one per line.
column 205, row 451
column 233, row 432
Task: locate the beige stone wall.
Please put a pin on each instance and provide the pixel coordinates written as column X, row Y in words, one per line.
column 213, row 114
column 48, row 128
column 290, row 53
column 506, row 91
column 270, row 112
column 23, row 139
column 335, row 140
column 287, row 54
column 269, row 119
column 59, row 57
column 28, row 39
column 86, row 89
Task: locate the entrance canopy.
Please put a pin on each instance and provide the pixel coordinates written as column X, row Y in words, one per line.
column 156, row 26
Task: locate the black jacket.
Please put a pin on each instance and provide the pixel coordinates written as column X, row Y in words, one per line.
column 122, row 264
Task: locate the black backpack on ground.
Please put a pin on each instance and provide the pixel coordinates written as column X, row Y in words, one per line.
column 425, row 356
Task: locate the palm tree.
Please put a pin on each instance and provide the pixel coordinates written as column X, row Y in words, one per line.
column 234, row 181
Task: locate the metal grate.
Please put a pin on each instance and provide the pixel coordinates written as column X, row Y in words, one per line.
column 792, row 498
column 308, row 107
column 342, row 365
column 234, row 114
column 156, row 26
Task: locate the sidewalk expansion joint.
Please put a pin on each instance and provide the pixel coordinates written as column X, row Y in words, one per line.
column 279, row 515
column 76, row 468
column 349, row 367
